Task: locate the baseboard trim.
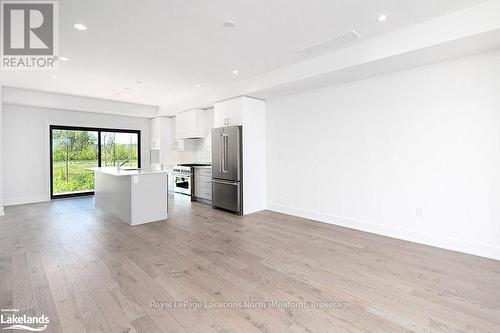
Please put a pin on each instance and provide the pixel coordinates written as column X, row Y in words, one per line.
column 482, row 250
column 24, row 200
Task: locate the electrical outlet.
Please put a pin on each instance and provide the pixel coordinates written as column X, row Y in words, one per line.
column 419, row 212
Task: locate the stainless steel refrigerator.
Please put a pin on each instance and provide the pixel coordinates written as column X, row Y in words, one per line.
column 227, row 169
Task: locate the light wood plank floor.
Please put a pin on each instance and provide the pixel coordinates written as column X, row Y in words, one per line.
column 89, row 272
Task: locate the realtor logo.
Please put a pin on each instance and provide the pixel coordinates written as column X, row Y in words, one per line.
column 29, row 34
column 15, row 321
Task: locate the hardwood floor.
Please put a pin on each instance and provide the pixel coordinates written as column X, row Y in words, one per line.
column 89, row 272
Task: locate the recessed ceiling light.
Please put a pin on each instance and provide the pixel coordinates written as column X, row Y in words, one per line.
column 229, row 24
column 235, row 71
column 45, row 89
column 54, row 76
column 138, row 82
column 80, row 26
column 382, row 17
column 63, row 58
column 197, row 85
column 168, row 96
column 127, row 88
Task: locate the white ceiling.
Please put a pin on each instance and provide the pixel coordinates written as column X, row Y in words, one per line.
column 172, row 45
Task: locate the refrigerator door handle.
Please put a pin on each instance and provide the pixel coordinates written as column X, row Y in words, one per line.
column 221, row 149
column 224, row 182
column 224, row 157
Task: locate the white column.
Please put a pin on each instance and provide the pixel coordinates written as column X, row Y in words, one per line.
column 1, row 156
column 254, row 155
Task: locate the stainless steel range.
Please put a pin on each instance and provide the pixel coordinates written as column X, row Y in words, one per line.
column 182, row 180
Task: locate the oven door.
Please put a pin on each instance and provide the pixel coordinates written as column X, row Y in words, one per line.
column 182, row 184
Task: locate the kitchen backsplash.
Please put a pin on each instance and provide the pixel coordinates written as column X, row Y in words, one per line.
column 199, row 154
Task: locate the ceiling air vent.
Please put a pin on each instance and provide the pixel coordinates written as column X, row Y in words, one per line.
column 330, row 44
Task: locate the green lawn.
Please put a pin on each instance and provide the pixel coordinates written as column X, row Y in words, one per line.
column 77, row 180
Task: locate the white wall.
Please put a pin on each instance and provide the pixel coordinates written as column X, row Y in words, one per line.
column 25, row 136
column 368, row 154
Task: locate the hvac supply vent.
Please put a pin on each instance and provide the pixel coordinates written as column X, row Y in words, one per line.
column 330, row 44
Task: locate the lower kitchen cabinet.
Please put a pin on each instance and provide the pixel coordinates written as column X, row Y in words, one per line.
column 203, row 184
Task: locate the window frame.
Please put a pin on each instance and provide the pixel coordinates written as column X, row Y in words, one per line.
column 99, row 130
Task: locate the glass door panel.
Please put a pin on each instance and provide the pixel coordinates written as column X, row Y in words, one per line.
column 120, row 148
column 72, row 152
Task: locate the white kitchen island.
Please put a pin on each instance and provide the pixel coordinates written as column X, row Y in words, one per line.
column 135, row 196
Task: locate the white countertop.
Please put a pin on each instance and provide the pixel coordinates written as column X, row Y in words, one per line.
column 114, row 171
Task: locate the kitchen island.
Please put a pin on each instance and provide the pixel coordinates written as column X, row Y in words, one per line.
column 135, row 196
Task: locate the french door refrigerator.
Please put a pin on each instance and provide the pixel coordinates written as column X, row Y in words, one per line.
column 227, row 168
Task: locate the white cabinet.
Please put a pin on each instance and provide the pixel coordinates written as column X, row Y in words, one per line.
column 190, row 124
column 185, row 124
column 155, row 133
column 207, row 143
column 203, row 183
column 209, row 125
column 161, row 138
column 228, row 113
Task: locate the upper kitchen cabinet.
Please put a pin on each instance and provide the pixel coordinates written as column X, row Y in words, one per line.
column 155, row 133
column 161, row 129
column 190, row 124
column 209, row 124
column 162, row 137
column 229, row 113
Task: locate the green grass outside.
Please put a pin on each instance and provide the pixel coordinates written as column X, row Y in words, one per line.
column 78, row 179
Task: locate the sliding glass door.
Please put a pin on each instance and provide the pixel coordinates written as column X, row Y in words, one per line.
column 72, row 152
column 118, row 148
column 75, row 149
